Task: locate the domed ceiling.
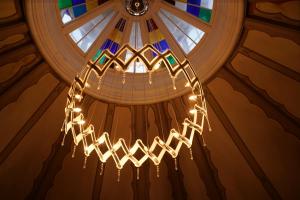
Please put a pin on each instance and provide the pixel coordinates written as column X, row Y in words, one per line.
column 247, row 59
column 78, row 31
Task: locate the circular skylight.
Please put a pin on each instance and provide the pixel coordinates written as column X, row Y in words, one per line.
column 186, row 35
column 70, row 33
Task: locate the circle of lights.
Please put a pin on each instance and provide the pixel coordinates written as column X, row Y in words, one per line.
column 75, row 123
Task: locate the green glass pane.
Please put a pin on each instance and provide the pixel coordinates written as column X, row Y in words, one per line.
column 205, row 14
column 102, row 60
column 97, row 55
column 64, row 4
column 171, row 60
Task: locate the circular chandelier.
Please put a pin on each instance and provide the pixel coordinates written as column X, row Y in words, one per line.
column 84, row 133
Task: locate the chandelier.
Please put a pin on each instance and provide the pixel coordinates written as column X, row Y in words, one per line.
column 83, row 133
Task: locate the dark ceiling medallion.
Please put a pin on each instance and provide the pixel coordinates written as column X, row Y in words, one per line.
column 137, row 7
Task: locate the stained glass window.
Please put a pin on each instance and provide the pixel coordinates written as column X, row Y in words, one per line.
column 114, row 42
column 186, row 35
column 85, row 35
column 71, row 9
column 135, row 41
column 199, row 8
column 156, row 38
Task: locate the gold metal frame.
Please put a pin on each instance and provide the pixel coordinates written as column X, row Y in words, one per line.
column 74, row 122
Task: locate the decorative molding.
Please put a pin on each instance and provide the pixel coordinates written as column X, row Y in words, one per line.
column 273, row 29
column 260, row 98
column 201, row 154
column 25, row 58
column 232, row 132
column 270, row 63
column 13, row 143
column 18, row 53
column 98, row 181
column 13, row 36
column 11, row 92
column 17, row 15
column 163, row 122
column 278, row 17
column 53, row 164
column 140, row 185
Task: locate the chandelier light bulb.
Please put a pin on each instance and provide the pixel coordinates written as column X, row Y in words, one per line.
column 193, row 111
column 81, row 122
column 78, row 96
column 156, row 66
column 77, row 110
column 193, row 97
column 187, row 84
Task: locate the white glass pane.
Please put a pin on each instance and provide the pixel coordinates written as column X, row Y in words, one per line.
column 181, row 6
column 182, row 39
column 207, row 4
column 136, row 42
column 80, row 32
column 66, row 15
column 194, row 33
column 90, row 38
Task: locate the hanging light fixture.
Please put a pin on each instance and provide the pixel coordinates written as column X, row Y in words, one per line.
column 84, row 133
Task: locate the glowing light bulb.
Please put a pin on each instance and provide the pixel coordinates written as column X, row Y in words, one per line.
column 101, row 140
column 156, row 66
column 193, row 111
column 81, row 122
column 87, row 85
column 78, row 96
column 118, row 68
column 187, row 84
column 193, row 97
column 77, row 110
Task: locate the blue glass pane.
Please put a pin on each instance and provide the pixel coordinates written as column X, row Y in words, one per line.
column 79, row 10
column 193, row 10
column 164, row 45
column 195, row 2
column 76, row 2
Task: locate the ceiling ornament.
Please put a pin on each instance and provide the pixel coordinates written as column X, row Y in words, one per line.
column 137, row 7
column 76, row 125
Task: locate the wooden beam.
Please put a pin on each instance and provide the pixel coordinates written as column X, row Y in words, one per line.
column 260, row 98
column 13, row 143
column 240, row 144
column 54, row 163
column 201, row 154
column 98, row 181
column 163, row 122
column 138, row 127
column 270, row 63
column 14, row 91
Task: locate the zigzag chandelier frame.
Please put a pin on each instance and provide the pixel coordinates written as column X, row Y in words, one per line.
column 81, row 132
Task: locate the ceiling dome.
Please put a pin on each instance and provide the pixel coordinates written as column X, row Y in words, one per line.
column 70, row 33
column 252, row 100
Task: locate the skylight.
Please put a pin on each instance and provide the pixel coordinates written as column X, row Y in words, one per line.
column 135, row 41
column 85, row 35
column 71, row 9
column 201, row 9
column 186, row 35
